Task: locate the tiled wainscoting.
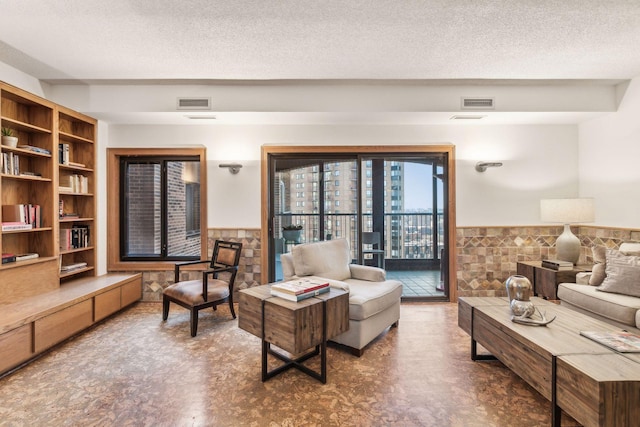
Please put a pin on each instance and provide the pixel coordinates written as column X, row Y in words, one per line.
column 487, row 256
column 153, row 282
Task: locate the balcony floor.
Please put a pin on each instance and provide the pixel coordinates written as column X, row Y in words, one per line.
column 418, row 284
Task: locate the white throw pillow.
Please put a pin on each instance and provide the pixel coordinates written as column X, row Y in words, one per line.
column 623, row 274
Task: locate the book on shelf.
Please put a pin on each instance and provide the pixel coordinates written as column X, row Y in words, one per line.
column 299, row 286
column 76, row 164
column 23, row 213
column 34, row 149
column 75, row 237
column 24, row 257
column 15, row 226
column 299, row 297
column 621, row 341
column 63, row 153
column 71, row 267
column 7, row 258
column 559, row 265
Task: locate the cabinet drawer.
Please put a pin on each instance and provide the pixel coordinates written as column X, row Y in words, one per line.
column 106, row 304
column 15, row 347
column 131, row 292
column 56, row 327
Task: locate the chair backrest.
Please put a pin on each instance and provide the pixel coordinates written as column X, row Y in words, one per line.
column 371, row 238
column 226, row 254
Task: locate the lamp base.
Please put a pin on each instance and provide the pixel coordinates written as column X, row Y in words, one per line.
column 568, row 246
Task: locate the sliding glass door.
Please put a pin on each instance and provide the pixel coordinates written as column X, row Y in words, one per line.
column 391, row 208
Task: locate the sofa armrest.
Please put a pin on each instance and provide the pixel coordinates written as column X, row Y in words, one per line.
column 582, row 278
column 368, row 273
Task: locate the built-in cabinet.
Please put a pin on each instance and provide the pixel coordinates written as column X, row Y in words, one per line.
column 47, row 192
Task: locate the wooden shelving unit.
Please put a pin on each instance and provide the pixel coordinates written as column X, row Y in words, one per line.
column 42, row 127
column 77, row 133
column 33, row 120
column 42, row 306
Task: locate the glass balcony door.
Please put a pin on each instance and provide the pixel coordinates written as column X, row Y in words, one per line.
column 400, row 199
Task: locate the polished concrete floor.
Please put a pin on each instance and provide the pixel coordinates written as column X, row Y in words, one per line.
column 135, row 370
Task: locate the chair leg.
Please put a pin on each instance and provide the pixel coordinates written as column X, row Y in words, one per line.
column 194, row 322
column 233, row 312
column 165, row 308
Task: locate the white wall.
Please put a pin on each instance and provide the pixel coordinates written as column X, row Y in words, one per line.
column 610, row 162
column 21, row 80
column 540, row 161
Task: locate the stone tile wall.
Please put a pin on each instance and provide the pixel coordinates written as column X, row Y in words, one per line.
column 487, row 256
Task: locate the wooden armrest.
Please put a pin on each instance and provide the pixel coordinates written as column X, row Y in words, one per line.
column 177, row 266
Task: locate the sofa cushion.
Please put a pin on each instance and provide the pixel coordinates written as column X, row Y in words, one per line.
column 329, row 258
column 622, row 274
column 369, row 298
column 620, row 308
column 598, row 269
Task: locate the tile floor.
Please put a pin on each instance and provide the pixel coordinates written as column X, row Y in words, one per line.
column 418, row 283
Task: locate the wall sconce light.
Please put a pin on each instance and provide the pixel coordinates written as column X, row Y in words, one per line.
column 234, row 168
column 482, row 166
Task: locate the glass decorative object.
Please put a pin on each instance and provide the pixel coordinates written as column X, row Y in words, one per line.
column 519, row 292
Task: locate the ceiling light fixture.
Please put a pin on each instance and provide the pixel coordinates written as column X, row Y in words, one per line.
column 201, row 117
column 466, row 117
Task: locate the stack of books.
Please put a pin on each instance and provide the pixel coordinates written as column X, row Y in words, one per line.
column 299, row 289
column 558, row 265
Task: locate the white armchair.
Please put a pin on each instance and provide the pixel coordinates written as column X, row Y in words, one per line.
column 374, row 301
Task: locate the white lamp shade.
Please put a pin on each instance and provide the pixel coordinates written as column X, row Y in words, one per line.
column 567, row 211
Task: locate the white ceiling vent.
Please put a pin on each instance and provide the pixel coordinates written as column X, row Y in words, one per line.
column 194, row 104
column 477, row 104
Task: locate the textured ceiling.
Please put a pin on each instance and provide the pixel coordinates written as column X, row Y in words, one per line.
column 90, row 40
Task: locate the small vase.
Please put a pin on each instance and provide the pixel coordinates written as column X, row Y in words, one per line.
column 522, row 308
column 519, row 292
column 518, row 287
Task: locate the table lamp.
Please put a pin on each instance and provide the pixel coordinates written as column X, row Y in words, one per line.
column 567, row 211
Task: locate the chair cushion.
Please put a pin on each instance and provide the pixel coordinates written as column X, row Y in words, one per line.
column 190, row 291
column 369, row 298
column 329, row 259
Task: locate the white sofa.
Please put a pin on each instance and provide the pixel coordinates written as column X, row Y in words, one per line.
column 374, row 301
column 612, row 291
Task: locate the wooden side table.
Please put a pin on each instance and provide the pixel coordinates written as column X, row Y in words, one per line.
column 295, row 327
column 544, row 280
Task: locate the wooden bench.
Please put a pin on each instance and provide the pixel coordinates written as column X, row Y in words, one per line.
column 34, row 324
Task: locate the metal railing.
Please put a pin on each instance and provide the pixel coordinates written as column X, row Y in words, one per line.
column 406, row 235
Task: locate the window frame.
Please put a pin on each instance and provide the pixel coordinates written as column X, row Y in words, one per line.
column 114, row 262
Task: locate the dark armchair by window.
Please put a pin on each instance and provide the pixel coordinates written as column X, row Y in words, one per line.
column 211, row 290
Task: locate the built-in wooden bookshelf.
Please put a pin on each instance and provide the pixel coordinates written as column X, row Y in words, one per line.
column 35, row 179
column 76, row 199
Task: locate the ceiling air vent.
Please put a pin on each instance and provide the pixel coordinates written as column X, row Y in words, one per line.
column 194, row 104
column 477, row 104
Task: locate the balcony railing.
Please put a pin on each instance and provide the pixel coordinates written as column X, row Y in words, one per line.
column 406, row 235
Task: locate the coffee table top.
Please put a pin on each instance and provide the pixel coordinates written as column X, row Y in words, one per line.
column 560, row 337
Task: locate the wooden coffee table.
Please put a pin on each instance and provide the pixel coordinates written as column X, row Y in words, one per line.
column 593, row 384
column 294, row 327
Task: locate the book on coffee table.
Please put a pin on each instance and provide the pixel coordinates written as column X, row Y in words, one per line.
column 621, row 341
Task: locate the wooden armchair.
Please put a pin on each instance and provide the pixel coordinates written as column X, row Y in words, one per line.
column 210, row 291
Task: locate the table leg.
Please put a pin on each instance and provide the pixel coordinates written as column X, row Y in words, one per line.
column 556, row 412
column 474, row 346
